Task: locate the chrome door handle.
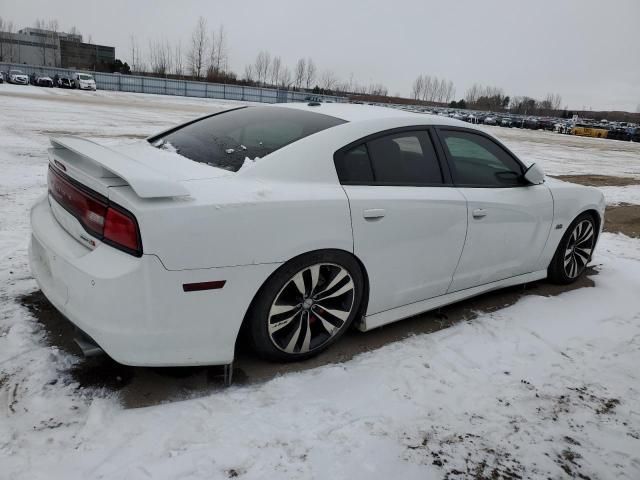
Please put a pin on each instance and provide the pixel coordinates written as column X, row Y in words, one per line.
column 479, row 213
column 373, row 213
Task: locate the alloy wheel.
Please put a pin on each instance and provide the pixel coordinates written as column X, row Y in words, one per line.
column 579, row 247
column 311, row 308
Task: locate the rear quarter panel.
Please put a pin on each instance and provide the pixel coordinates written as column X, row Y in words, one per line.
column 239, row 221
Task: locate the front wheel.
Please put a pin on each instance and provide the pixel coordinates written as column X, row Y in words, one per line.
column 574, row 251
column 306, row 306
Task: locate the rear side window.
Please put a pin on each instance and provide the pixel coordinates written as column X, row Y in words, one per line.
column 226, row 139
column 479, row 162
column 406, row 158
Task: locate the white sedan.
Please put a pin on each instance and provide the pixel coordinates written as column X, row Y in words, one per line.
column 292, row 222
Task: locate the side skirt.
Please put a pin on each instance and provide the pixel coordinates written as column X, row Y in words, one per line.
column 399, row 313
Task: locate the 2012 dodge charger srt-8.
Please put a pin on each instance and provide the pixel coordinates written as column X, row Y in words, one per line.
column 294, row 221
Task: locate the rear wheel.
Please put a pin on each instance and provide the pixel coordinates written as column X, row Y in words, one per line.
column 574, row 251
column 306, row 306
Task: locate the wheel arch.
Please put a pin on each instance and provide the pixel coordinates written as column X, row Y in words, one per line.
column 365, row 294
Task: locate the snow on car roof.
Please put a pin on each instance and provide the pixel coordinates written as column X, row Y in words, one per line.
column 352, row 112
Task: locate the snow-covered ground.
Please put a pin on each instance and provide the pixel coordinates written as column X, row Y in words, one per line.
column 546, row 388
column 570, row 155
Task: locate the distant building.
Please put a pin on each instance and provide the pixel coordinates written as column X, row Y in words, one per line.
column 39, row 32
column 35, row 46
column 85, row 56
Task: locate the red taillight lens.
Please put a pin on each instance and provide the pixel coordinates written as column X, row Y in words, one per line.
column 104, row 220
column 90, row 210
column 121, row 228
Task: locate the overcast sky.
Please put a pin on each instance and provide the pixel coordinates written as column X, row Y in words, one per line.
column 588, row 51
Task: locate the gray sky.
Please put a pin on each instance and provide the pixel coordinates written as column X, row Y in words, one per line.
column 588, row 51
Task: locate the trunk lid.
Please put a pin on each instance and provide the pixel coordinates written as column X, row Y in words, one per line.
column 94, row 169
column 151, row 172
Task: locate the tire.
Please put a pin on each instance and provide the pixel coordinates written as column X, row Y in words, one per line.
column 306, row 306
column 574, row 251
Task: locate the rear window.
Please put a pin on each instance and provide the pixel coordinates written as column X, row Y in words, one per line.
column 225, row 140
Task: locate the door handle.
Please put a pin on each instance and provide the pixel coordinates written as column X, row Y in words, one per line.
column 479, row 213
column 373, row 213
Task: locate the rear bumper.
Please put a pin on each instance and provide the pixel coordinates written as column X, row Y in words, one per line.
column 134, row 308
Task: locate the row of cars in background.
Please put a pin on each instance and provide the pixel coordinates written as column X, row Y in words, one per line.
column 583, row 127
column 82, row 81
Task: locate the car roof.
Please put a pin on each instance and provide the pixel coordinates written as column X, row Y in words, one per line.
column 351, row 112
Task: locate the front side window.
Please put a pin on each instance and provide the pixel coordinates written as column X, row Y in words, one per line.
column 479, row 162
column 405, row 158
column 225, row 140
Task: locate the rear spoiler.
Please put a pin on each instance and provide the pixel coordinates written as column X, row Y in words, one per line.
column 146, row 182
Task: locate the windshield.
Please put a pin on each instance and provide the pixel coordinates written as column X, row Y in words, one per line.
column 225, row 140
column 85, row 77
column 16, row 72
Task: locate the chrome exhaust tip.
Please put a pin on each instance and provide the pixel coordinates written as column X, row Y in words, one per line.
column 88, row 346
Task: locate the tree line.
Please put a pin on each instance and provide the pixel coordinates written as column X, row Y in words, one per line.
column 433, row 90
column 206, row 56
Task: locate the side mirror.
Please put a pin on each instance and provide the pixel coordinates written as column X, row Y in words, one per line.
column 534, row 175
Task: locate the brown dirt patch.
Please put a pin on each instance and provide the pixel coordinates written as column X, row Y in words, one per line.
column 599, row 180
column 623, row 218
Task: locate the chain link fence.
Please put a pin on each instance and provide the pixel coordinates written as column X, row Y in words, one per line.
column 185, row 88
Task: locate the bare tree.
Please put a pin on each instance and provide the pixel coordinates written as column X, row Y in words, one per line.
column 52, row 36
column 40, row 24
column 286, row 79
column 160, row 57
column 428, row 88
column 299, row 74
column 178, row 61
column 328, row 80
column 218, row 57
column 276, row 70
column 262, row 65
column 134, row 49
column 450, row 91
column 249, row 74
column 417, row 88
column 198, row 50
column 472, row 94
column 74, row 31
column 378, row 90
column 310, row 74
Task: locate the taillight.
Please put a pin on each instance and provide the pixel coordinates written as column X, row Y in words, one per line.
column 121, row 228
column 101, row 218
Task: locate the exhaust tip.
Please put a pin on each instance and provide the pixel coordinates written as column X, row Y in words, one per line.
column 88, row 346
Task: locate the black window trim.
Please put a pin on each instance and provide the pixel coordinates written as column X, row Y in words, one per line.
column 171, row 130
column 428, row 129
column 440, row 128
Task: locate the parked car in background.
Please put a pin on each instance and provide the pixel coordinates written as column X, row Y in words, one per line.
column 546, row 124
column 293, row 221
column 507, row 122
column 44, row 82
column 18, row 77
column 83, row 81
column 1, row 77
column 65, row 82
column 531, row 123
